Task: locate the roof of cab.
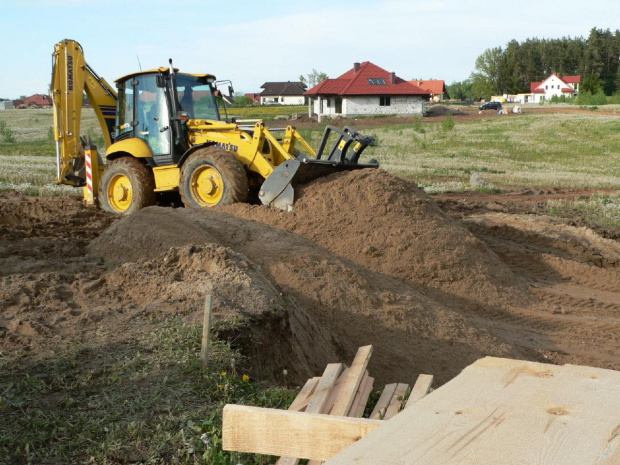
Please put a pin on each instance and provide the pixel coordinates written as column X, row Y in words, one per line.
column 162, row 70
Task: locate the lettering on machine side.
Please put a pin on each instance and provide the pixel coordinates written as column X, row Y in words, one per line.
column 226, row 146
column 69, row 73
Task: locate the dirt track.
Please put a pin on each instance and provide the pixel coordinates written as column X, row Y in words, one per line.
column 433, row 283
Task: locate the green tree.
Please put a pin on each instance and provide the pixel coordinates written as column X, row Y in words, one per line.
column 486, row 75
column 462, row 90
column 313, row 78
column 592, row 84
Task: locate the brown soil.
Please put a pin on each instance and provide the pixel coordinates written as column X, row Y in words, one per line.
column 365, row 258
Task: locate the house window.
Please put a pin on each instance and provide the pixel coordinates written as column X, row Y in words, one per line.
column 327, row 103
column 384, row 101
column 546, row 87
column 338, row 105
column 376, row 81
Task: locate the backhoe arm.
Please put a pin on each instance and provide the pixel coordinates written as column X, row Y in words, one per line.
column 71, row 77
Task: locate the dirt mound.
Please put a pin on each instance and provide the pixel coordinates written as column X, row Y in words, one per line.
column 393, row 227
column 442, row 110
column 346, row 304
column 59, row 216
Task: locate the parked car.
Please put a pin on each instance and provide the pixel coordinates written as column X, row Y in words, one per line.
column 490, row 106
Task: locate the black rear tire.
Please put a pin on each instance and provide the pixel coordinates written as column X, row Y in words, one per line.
column 126, row 186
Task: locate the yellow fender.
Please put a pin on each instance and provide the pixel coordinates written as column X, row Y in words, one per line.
column 134, row 147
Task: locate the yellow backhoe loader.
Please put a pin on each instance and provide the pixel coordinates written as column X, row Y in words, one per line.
column 163, row 131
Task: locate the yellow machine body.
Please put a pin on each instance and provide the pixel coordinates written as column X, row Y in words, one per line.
column 159, row 123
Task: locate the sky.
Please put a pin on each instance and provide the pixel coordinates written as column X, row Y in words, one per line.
column 252, row 42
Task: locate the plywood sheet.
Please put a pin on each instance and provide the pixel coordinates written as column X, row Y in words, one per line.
column 504, row 412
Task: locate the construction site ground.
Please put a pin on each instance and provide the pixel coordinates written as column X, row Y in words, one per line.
column 432, row 282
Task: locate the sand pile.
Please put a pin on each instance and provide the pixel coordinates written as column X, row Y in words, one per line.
column 342, row 305
column 391, row 226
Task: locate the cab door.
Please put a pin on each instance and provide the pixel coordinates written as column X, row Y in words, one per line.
column 153, row 117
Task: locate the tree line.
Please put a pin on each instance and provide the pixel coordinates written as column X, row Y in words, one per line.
column 511, row 69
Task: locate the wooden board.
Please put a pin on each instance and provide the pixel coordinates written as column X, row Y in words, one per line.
column 354, row 377
column 323, row 389
column 304, row 396
column 331, row 400
column 420, row 389
column 504, row 412
column 290, row 434
column 361, row 398
column 396, row 402
column 384, row 400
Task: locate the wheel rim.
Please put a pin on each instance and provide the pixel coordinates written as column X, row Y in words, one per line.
column 120, row 192
column 207, row 186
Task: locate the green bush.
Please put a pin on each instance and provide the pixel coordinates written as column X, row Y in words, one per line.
column 586, row 98
column 7, row 134
column 562, row 99
column 417, row 125
column 448, row 123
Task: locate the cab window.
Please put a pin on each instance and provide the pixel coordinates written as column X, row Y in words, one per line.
column 196, row 98
column 124, row 116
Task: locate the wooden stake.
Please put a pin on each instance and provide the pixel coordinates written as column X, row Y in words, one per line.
column 206, row 329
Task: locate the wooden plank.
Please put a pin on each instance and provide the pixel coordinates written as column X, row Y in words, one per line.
column 504, row 412
column 354, row 377
column 420, row 389
column 384, row 400
column 302, row 399
column 326, row 383
column 290, row 434
column 361, row 398
column 331, row 400
column 397, row 401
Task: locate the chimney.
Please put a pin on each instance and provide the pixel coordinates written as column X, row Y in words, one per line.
column 393, row 78
column 356, row 67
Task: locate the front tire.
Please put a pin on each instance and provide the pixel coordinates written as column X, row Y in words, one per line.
column 126, row 186
column 212, row 177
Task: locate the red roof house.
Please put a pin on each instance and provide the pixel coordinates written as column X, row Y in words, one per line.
column 368, row 89
column 436, row 87
column 254, row 96
column 38, row 99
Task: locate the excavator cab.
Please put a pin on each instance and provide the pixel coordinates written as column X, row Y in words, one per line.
column 154, row 105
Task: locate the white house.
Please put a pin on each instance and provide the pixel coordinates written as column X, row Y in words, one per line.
column 554, row 85
column 283, row 93
column 367, row 89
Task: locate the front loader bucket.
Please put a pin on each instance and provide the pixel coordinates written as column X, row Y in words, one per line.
column 278, row 189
